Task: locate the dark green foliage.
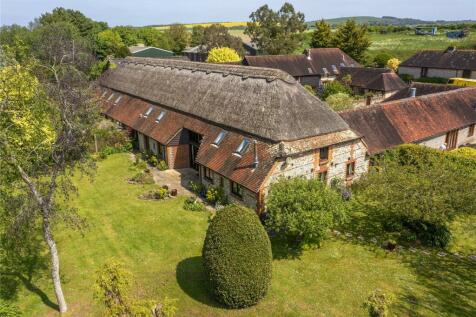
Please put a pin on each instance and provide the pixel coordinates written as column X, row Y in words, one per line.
column 277, row 32
column 198, row 33
column 322, row 35
column 217, row 35
column 198, row 188
column 216, row 195
column 237, row 257
column 352, row 39
column 179, row 37
column 193, row 204
column 418, row 189
column 335, row 87
column 303, row 210
column 381, row 59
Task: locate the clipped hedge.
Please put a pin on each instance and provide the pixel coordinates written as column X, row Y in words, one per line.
column 237, row 257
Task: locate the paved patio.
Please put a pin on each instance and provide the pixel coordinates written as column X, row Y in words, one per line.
column 176, row 179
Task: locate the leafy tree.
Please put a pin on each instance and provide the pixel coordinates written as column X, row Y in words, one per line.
column 217, row 35
column 381, row 59
column 303, row 210
column 276, row 32
column 237, row 257
column 322, row 35
column 109, row 43
column 45, row 129
column 352, row 39
column 223, row 55
column 340, row 101
column 153, row 37
column 393, row 64
column 198, row 33
column 335, row 87
column 418, row 189
column 84, row 25
column 179, row 37
column 128, row 34
column 15, row 40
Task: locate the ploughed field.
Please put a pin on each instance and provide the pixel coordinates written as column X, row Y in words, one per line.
column 161, row 244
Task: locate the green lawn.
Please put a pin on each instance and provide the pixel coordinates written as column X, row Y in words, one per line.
column 161, row 244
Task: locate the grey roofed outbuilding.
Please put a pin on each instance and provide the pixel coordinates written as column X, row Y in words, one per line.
column 267, row 103
column 149, row 51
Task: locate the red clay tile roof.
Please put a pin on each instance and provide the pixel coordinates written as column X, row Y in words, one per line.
column 381, row 79
column 130, row 110
column 458, row 59
column 421, row 90
column 298, row 65
column 413, row 119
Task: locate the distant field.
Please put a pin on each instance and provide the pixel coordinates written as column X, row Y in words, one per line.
column 189, row 26
column 403, row 45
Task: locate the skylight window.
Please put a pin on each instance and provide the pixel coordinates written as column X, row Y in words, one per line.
column 117, row 100
column 342, row 64
column 148, row 112
column 334, row 69
column 242, row 147
column 104, row 93
column 160, row 116
column 325, row 70
column 110, row 97
column 219, row 138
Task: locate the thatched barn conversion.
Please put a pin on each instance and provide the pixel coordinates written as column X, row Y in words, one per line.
column 448, row 63
column 377, row 83
column 240, row 127
column 431, row 120
column 313, row 68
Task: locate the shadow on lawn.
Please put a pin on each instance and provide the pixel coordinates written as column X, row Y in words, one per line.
column 20, row 265
column 192, row 280
column 450, row 285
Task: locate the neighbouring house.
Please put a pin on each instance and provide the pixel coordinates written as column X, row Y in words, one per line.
column 315, row 67
column 431, row 120
column 444, row 64
column 417, row 89
column 240, row 127
column 200, row 53
column 376, row 83
column 150, row 51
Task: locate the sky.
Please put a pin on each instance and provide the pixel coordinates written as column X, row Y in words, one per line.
column 147, row 12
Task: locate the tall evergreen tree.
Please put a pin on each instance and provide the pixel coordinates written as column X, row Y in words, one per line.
column 352, row 39
column 322, row 35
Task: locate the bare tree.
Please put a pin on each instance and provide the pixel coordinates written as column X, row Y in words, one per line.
column 47, row 114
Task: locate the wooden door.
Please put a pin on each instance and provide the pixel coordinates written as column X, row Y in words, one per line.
column 452, row 139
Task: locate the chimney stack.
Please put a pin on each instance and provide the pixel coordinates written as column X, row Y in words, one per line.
column 413, row 92
column 255, row 161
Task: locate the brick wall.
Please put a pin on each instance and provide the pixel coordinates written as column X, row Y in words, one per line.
column 178, row 156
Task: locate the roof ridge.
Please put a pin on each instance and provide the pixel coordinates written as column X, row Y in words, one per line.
column 226, row 69
column 427, row 96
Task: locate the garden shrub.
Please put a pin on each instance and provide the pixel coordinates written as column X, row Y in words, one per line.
column 237, row 257
column 304, row 210
column 192, row 204
column 216, row 195
column 335, row 87
column 139, row 162
column 418, row 189
column 162, row 165
column 378, row 304
column 198, row 188
column 110, row 139
column 158, row 194
column 143, row 177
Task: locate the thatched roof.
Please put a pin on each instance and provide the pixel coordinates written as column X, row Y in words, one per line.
column 266, row 103
column 421, row 90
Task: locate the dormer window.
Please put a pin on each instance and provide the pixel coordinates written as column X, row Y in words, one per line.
column 149, row 111
column 325, row 71
column 342, row 64
column 110, row 97
column 117, row 100
column 242, row 147
column 160, row 116
column 219, row 138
